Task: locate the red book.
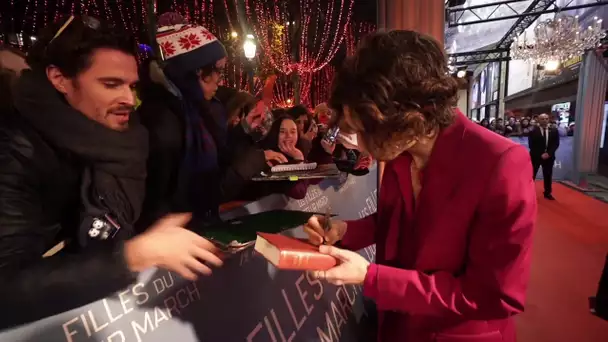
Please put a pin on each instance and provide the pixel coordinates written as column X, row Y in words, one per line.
column 288, row 253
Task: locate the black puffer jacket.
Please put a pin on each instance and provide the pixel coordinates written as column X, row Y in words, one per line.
column 39, row 207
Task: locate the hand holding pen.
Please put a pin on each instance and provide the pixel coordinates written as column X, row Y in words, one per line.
column 324, row 230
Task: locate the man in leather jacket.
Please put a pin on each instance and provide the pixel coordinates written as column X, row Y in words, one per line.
column 72, row 179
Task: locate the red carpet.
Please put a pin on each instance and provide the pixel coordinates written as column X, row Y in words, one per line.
column 570, row 245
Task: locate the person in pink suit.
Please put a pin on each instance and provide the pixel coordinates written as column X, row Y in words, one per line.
column 456, row 207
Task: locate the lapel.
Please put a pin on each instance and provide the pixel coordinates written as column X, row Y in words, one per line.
column 441, row 173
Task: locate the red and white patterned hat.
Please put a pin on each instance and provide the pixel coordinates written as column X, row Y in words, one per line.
column 187, row 48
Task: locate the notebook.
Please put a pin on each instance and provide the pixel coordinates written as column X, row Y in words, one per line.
column 319, row 171
column 293, row 167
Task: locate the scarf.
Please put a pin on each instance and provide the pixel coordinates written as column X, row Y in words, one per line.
column 199, row 173
column 113, row 183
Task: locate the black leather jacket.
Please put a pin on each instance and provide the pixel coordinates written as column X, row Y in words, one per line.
column 39, row 207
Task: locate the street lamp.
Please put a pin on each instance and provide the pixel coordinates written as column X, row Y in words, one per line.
column 250, row 48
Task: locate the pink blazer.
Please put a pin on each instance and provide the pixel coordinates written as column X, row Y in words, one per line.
column 454, row 268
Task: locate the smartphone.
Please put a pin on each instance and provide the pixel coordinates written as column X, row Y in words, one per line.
column 332, row 135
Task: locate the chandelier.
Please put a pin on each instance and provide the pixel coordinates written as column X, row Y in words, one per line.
column 557, row 40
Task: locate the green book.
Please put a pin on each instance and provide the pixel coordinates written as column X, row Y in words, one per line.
column 241, row 232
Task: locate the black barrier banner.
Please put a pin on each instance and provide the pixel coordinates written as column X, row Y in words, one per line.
column 246, row 300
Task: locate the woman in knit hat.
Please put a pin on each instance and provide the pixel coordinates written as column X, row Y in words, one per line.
column 186, row 172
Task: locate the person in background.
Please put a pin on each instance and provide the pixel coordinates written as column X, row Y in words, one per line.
column 525, row 126
column 7, row 80
column 534, row 120
column 225, row 94
column 453, row 251
column 190, row 169
column 12, row 62
column 312, row 136
column 571, row 128
column 307, row 126
column 512, row 127
column 485, row 123
column 12, row 59
column 544, row 142
column 499, row 126
column 323, row 116
column 235, row 106
column 285, row 138
column 255, row 121
column 72, row 179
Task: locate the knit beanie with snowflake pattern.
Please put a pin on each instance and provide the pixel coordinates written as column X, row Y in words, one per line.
column 187, row 48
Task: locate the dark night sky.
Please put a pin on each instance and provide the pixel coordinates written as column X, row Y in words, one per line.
column 12, row 16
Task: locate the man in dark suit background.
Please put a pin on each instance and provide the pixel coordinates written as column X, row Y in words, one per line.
column 543, row 142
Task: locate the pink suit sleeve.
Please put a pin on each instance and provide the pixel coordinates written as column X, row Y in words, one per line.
column 360, row 233
column 494, row 283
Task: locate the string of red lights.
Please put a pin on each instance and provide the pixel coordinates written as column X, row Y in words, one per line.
column 317, row 35
column 271, row 23
column 356, row 32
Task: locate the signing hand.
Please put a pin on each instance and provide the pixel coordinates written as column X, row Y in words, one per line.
column 291, row 151
column 317, row 235
column 167, row 245
column 351, row 269
column 273, row 158
column 545, row 156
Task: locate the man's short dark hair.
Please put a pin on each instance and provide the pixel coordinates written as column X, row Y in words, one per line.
column 398, row 85
column 72, row 49
column 12, row 50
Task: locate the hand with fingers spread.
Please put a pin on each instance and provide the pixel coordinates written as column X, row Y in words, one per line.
column 351, row 269
column 273, row 158
column 170, row 246
column 291, row 150
column 317, row 235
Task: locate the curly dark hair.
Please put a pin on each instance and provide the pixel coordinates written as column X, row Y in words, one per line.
column 397, row 88
column 72, row 49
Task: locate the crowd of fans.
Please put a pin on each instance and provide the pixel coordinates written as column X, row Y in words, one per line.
column 522, row 126
column 98, row 151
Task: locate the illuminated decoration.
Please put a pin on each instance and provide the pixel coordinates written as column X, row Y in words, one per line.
column 284, row 91
column 249, row 47
column 551, row 65
column 286, row 45
column 321, row 83
column 316, row 36
column 128, row 14
column 354, row 34
column 145, row 48
column 557, row 40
